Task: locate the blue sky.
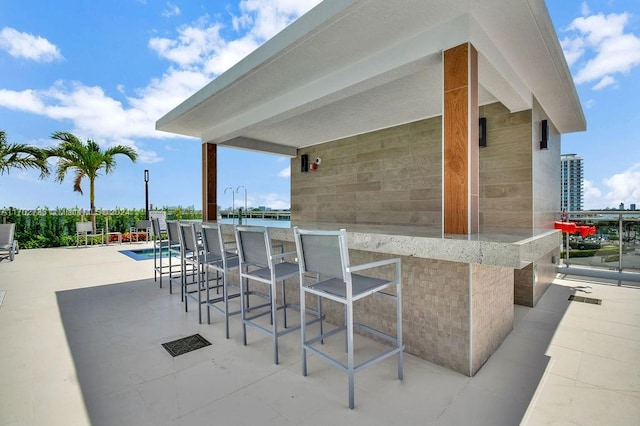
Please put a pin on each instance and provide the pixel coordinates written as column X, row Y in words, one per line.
column 108, row 73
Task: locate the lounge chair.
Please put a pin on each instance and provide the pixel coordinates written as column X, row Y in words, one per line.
column 7, row 240
column 85, row 229
column 141, row 227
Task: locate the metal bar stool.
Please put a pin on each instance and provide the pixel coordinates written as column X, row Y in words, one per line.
column 258, row 263
column 325, row 255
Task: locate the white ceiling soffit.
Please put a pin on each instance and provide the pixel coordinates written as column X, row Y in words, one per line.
column 353, row 66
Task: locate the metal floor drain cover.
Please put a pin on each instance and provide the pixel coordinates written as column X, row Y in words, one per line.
column 585, row 299
column 186, row 344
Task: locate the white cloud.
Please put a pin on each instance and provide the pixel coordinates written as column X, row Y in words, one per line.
column 26, row 100
column 103, row 118
column 592, row 196
column 611, row 50
column 606, row 81
column 28, row 46
column 193, row 45
column 285, row 173
column 269, row 17
column 573, row 49
column 198, row 53
column 148, row 157
column 171, row 10
column 624, row 187
column 272, row 200
column 201, row 46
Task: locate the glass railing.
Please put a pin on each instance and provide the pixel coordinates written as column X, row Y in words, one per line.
column 614, row 248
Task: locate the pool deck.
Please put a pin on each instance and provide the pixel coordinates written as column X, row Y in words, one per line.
column 81, row 332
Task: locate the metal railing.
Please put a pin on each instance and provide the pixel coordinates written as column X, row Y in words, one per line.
column 612, row 253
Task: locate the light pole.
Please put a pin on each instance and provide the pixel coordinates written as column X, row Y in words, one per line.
column 146, row 194
column 245, row 197
column 233, row 203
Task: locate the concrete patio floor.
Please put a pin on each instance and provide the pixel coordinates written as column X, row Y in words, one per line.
column 80, row 343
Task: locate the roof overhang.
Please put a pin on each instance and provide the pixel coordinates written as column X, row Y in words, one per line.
column 352, row 66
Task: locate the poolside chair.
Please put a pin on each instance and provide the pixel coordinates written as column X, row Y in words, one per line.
column 221, row 260
column 325, row 271
column 259, row 264
column 141, row 227
column 7, row 240
column 85, row 229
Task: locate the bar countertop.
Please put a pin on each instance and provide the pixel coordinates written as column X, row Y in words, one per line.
column 509, row 247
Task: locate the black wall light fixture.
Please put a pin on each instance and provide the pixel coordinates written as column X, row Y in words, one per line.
column 544, row 131
column 482, row 132
column 304, row 163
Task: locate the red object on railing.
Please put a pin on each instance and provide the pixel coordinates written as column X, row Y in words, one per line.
column 572, row 228
column 569, row 227
column 586, row 230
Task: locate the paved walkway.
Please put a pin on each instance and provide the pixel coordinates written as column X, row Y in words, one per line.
column 80, row 333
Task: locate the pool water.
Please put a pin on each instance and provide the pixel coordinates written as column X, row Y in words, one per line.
column 147, row 253
column 259, row 222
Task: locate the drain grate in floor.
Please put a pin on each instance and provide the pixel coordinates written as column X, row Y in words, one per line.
column 585, row 299
column 186, row 344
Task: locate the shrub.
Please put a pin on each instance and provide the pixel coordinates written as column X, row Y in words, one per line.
column 590, row 253
column 44, row 227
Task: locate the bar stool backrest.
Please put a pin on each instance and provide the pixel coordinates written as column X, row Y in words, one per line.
column 155, row 228
column 161, row 216
column 324, row 253
column 173, row 232
column 188, row 235
column 254, row 246
column 212, row 239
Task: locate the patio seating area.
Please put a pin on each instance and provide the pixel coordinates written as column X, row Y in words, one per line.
column 82, row 334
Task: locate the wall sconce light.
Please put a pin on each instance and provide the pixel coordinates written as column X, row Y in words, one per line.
column 482, row 132
column 544, row 130
column 304, row 163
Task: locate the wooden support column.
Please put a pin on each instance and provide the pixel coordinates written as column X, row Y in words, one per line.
column 460, row 140
column 209, row 182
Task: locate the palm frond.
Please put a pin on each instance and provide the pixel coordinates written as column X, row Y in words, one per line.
column 21, row 156
column 86, row 159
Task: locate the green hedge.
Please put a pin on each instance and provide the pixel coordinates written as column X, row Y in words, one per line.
column 590, row 253
column 45, row 227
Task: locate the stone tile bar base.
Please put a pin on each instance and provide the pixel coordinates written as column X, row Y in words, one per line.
column 456, row 313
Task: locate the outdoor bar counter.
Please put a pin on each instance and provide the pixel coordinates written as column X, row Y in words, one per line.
column 458, row 291
column 394, row 119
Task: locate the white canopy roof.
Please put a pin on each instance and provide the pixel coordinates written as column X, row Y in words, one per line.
column 353, row 66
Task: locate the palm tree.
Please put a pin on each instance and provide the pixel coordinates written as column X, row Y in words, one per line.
column 86, row 160
column 21, row 156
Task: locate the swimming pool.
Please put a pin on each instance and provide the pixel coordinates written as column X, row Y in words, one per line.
column 259, row 222
column 147, row 253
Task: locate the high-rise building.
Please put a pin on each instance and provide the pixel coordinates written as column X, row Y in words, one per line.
column 571, row 182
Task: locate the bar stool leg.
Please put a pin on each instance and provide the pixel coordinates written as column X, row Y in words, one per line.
column 350, row 360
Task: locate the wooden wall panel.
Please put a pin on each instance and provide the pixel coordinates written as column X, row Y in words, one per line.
column 460, row 146
column 474, row 157
column 456, row 162
column 209, row 182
